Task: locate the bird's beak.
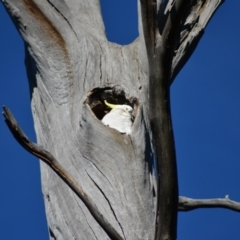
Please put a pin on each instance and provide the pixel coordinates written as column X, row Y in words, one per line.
column 109, row 104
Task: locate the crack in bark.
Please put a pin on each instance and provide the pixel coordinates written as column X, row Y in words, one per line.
column 100, row 149
column 67, row 226
column 52, row 235
column 98, row 170
column 63, row 17
column 100, row 69
column 85, row 217
column 85, row 74
column 104, row 195
column 89, row 160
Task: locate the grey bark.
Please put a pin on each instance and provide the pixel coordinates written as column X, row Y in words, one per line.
column 48, row 158
column 71, row 69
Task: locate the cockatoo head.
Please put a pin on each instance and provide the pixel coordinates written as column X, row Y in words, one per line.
column 126, row 108
column 119, row 118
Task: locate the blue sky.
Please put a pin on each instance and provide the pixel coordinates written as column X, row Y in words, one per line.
column 206, row 117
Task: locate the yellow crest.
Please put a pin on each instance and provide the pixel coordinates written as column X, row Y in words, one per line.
column 109, row 104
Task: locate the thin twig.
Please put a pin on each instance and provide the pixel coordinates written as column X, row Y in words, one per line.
column 187, row 204
column 47, row 157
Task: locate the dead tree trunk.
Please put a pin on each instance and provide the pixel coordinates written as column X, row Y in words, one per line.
column 72, row 69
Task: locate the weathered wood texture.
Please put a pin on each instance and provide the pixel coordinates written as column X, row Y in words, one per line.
column 72, row 67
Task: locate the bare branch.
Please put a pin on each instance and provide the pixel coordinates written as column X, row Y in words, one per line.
column 181, row 25
column 159, row 38
column 187, row 204
column 192, row 29
column 163, row 27
column 47, row 157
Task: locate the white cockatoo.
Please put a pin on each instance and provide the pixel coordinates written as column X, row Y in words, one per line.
column 119, row 118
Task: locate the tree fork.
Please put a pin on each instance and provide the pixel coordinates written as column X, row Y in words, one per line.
column 60, row 81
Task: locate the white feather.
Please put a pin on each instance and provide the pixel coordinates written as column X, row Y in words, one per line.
column 119, row 118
